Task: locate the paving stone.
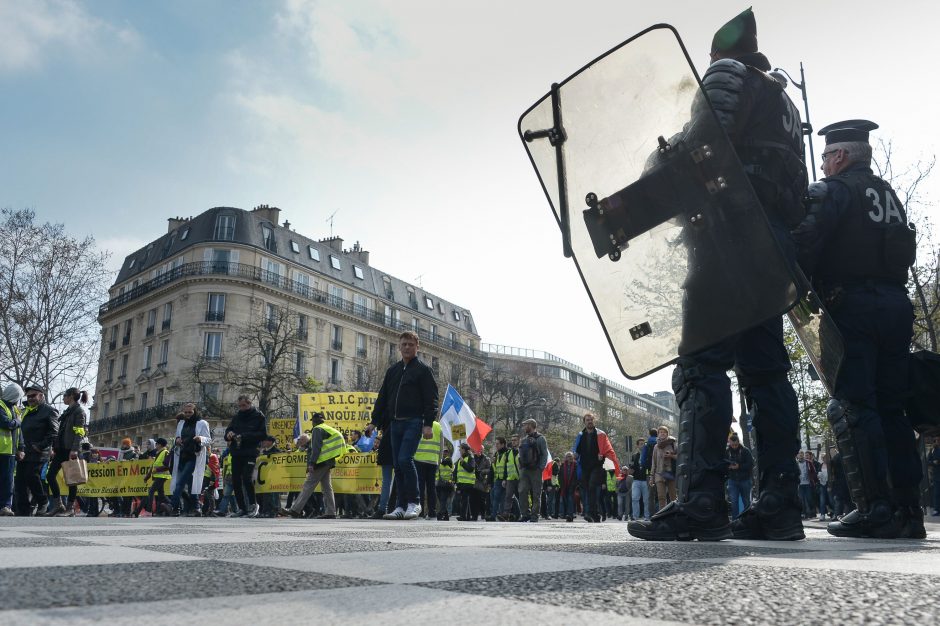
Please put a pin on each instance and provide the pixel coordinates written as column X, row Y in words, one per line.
column 702, row 593
column 277, row 548
column 45, row 587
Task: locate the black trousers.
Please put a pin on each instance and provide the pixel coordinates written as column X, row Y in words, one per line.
column 28, row 481
column 242, row 468
column 427, row 476
column 156, row 488
column 55, row 465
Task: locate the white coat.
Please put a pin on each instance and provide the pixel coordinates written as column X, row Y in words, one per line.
column 202, row 431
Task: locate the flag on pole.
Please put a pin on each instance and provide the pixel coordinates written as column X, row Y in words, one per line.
column 459, row 423
column 547, row 472
column 297, row 428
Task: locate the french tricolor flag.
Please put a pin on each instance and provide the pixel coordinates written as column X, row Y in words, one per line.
column 459, row 423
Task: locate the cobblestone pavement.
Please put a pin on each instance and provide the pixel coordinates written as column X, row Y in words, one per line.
column 240, row 571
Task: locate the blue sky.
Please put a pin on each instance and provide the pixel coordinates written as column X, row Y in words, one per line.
column 399, row 114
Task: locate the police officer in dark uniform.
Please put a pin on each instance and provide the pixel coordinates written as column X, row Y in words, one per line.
column 857, row 246
column 765, row 129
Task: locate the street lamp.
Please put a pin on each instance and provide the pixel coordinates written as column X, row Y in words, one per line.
column 807, row 126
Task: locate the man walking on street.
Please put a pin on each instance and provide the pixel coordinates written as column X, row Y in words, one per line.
column 408, row 400
column 591, row 447
column 38, row 430
column 533, row 457
column 324, row 445
column 740, row 465
column 243, row 435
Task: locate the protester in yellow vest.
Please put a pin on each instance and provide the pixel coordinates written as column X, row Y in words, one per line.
column 159, row 473
column 324, row 445
column 9, row 422
column 445, row 488
column 427, row 459
column 465, row 477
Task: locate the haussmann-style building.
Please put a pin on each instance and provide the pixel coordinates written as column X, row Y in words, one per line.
column 188, row 301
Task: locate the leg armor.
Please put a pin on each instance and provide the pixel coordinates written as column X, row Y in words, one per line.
column 700, row 510
column 873, row 514
column 776, row 513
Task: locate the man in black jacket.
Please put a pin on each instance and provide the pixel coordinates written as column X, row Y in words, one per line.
column 39, row 428
column 246, row 430
column 740, row 465
column 408, row 402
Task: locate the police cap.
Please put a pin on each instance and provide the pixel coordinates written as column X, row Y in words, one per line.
column 34, row 388
column 738, row 35
column 848, row 130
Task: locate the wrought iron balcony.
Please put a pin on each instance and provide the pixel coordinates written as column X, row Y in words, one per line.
column 255, row 274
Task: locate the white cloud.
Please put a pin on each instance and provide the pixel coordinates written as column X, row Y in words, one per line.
column 29, row 28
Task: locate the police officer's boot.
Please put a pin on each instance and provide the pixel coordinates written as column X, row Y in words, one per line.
column 907, row 513
column 874, row 513
column 775, row 514
column 700, row 510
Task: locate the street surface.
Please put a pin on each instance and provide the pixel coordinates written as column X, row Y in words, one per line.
column 264, row 571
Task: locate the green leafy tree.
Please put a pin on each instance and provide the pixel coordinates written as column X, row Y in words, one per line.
column 811, row 396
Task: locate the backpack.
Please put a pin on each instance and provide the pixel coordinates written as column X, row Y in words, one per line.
column 529, row 453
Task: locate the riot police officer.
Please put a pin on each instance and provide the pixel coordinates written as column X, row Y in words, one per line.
column 857, row 245
column 765, row 129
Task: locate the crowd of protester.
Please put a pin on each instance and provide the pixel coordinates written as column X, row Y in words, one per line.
column 514, row 481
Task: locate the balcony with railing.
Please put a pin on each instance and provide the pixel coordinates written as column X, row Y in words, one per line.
column 337, row 345
column 215, row 316
column 165, row 325
column 125, row 340
column 149, row 332
column 256, row 274
column 112, row 344
column 142, row 417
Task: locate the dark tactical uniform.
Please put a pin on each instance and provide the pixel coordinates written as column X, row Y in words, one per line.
column 857, row 246
column 765, row 129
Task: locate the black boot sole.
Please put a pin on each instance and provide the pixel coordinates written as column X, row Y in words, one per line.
column 640, row 531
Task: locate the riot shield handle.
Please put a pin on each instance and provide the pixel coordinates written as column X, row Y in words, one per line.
column 556, row 136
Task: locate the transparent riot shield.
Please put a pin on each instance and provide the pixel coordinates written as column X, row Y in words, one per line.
column 670, row 240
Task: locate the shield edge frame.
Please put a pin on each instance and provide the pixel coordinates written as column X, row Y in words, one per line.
column 659, row 26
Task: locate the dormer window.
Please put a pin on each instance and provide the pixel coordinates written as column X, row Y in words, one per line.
column 358, row 272
column 184, row 234
column 428, row 303
column 267, row 237
column 131, row 265
column 314, row 253
column 225, row 228
column 335, row 263
column 295, row 247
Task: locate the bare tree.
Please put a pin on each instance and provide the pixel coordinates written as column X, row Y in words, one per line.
column 52, row 284
column 261, row 360
column 510, row 393
column 908, row 183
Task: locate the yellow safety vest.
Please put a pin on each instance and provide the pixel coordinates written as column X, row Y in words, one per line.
column 611, row 482
column 465, row 477
column 334, row 445
column 429, row 450
column 6, row 436
column 159, row 461
column 512, row 464
column 227, row 466
column 445, row 474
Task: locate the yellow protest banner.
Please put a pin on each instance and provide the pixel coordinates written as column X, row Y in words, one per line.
column 113, row 479
column 282, row 430
column 344, row 410
column 354, row 473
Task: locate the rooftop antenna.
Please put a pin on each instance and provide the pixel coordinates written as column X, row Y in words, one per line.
column 418, row 280
column 330, row 220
